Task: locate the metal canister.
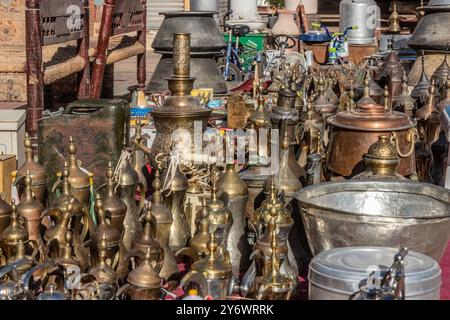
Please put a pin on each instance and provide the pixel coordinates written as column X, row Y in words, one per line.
column 339, row 273
column 364, row 14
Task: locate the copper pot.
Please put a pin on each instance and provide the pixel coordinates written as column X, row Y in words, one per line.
column 354, row 131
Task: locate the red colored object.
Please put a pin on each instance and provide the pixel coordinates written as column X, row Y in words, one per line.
column 445, row 266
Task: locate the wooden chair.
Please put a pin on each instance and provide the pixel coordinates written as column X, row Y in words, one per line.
column 49, row 23
column 119, row 19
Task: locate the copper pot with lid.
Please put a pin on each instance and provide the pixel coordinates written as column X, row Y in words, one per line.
column 354, row 131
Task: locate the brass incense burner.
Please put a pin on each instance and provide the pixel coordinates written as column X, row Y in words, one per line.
column 180, row 110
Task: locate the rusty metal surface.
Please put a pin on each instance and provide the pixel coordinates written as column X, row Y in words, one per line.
column 62, row 20
column 99, row 135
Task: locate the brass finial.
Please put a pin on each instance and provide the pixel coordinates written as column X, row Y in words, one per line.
column 386, row 97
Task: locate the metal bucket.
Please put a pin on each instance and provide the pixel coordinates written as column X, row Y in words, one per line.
column 337, row 274
column 376, row 213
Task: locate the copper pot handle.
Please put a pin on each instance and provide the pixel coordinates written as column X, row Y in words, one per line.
column 411, row 137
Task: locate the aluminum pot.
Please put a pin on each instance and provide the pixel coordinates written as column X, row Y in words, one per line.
column 337, row 274
column 364, row 14
column 354, row 131
column 376, row 213
column 431, row 31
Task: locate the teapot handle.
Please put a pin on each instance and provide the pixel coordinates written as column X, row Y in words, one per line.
column 411, row 137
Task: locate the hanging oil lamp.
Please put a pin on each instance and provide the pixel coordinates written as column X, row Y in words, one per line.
column 404, row 103
column 66, row 196
column 216, row 268
column 78, row 179
column 421, row 91
column 128, row 182
column 164, row 220
column 144, row 283
column 180, row 110
column 31, row 211
column 272, row 285
column 428, row 118
column 105, row 231
column 147, row 242
column 236, row 191
column 390, row 66
column 112, row 204
column 177, row 186
column 220, row 217
column 5, row 212
column 381, row 161
column 440, row 77
column 102, row 271
column 37, row 172
column 394, row 26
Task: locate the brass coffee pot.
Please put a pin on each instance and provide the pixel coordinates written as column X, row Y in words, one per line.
column 322, row 105
column 200, row 240
column 285, row 179
column 144, row 282
column 58, row 205
column 80, row 184
column 272, row 285
column 215, row 268
column 105, row 231
column 102, row 270
column 381, row 161
column 220, row 217
column 147, row 242
column 31, row 210
column 14, row 241
column 234, row 192
column 311, row 133
column 5, row 212
column 394, row 26
column 37, row 172
column 163, row 224
column 66, row 257
column 55, row 237
column 260, row 118
column 112, row 204
column 177, row 185
column 128, row 182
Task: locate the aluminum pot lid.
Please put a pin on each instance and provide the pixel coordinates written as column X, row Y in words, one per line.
column 372, row 117
column 206, row 36
column 345, row 269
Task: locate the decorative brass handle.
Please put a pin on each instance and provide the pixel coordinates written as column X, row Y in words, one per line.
column 411, row 137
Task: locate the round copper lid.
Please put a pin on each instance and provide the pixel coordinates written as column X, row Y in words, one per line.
column 372, row 117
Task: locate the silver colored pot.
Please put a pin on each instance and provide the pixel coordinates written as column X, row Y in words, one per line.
column 364, row 14
column 339, row 273
column 376, row 213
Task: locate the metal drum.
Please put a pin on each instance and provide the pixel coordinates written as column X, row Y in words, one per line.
column 362, row 13
column 339, row 273
column 376, row 213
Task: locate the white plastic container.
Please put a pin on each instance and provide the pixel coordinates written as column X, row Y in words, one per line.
column 12, row 133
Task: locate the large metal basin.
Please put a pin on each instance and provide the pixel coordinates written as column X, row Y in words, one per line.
column 376, row 213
